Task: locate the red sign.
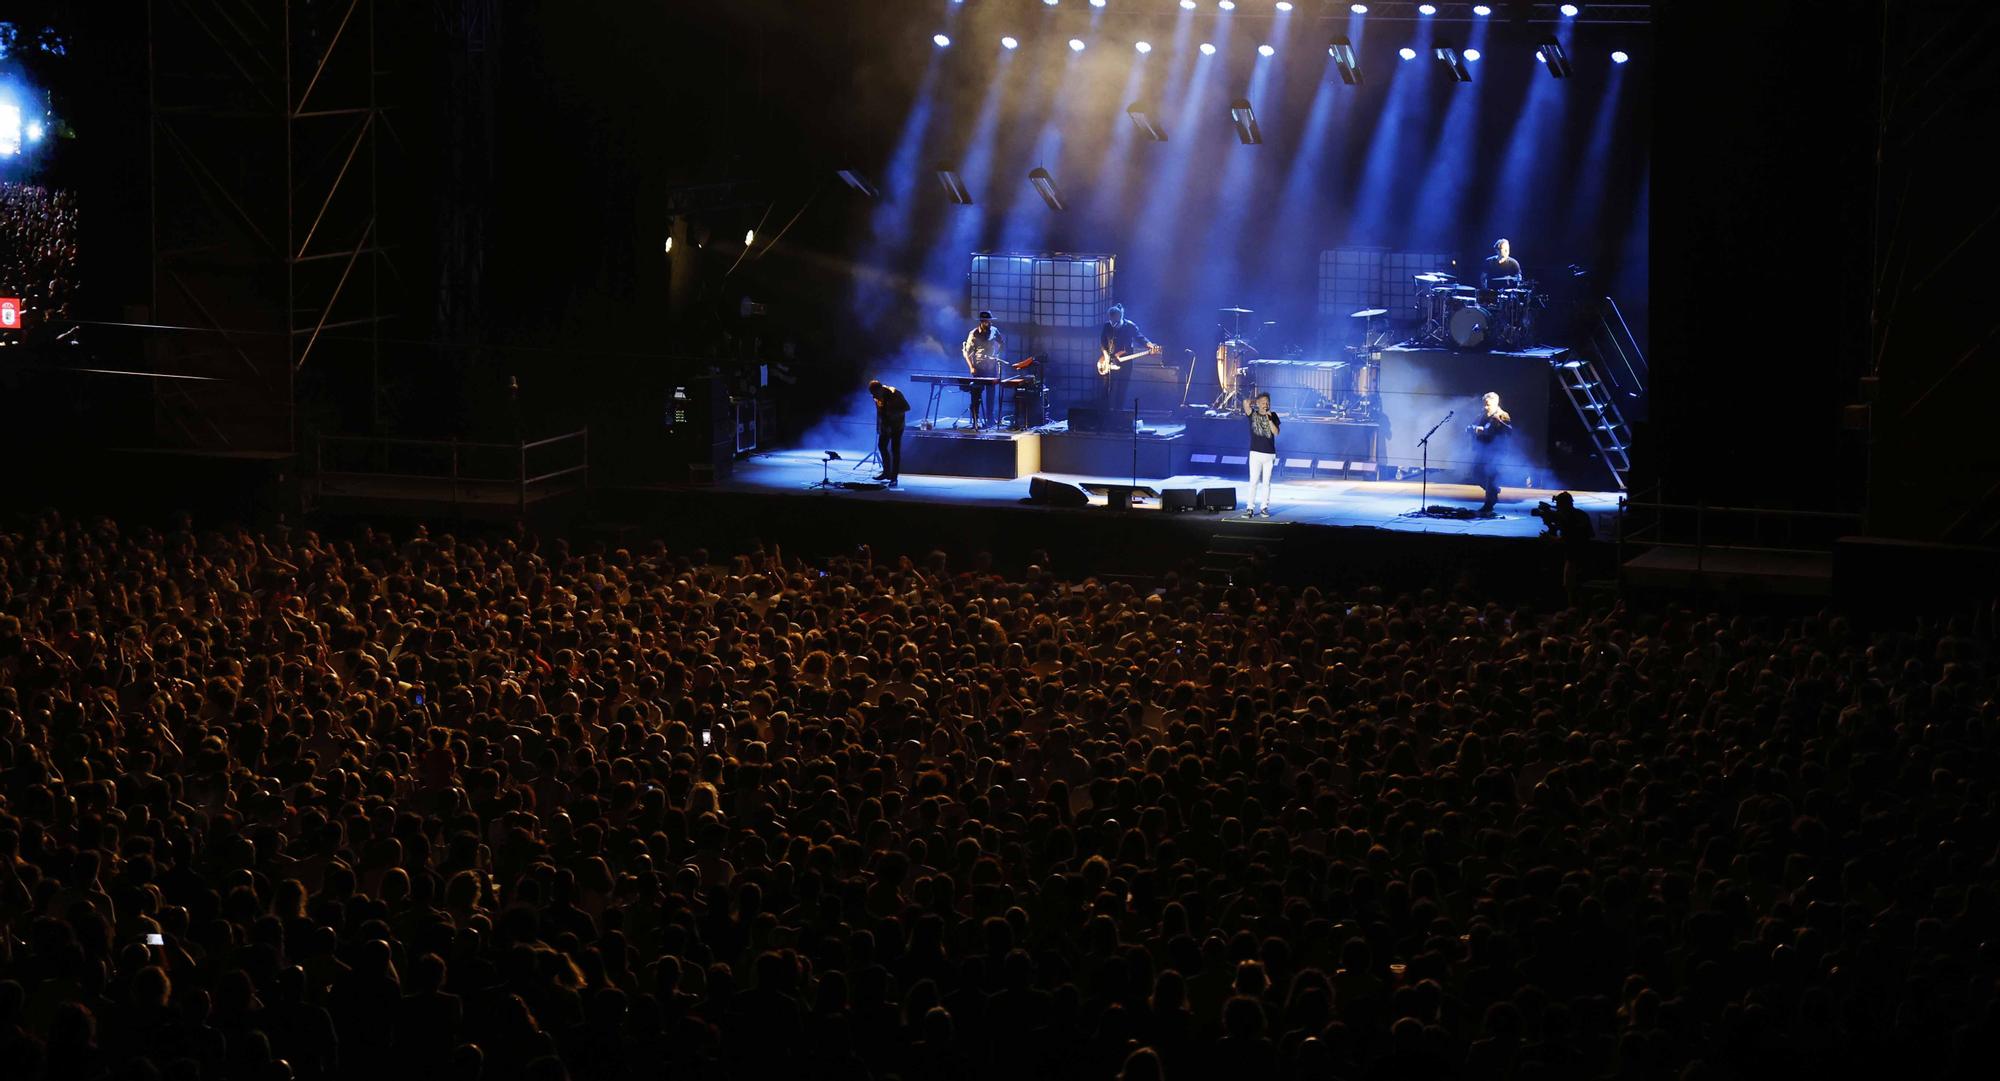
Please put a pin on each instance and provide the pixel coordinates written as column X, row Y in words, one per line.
column 10, row 313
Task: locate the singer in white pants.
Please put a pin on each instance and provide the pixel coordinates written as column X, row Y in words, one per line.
column 1263, row 450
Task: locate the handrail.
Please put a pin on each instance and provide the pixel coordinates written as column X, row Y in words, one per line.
column 518, row 477
column 1701, row 511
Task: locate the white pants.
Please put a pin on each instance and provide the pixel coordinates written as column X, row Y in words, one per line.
column 1261, row 464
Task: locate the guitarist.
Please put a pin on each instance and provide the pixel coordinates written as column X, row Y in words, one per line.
column 1119, row 338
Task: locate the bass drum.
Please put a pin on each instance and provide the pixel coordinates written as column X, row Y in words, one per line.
column 1468, row 327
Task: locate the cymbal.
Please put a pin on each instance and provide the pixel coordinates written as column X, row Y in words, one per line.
column 1020, row 364
column 1369, row 313
column 1436, row 277
column 1241, row 311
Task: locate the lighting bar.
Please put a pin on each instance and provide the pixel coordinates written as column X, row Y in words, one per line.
column 1245, row 119
column 858, row 182
column 1448, row 57
column 1045, row 186
column 954, row 188
column 1342, row 51
column 1555, row 59
column 1142, row 118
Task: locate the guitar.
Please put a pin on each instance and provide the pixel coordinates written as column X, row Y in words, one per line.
column 1107, row 362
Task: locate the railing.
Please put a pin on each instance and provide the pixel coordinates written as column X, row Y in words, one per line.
column 1624, row 363
column 474, row 472
column 1740, row 527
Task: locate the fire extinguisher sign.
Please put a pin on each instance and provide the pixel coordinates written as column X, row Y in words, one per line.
column 10, row 313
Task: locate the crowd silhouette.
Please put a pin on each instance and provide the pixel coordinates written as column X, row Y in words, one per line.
column 38, row 231
column 289, row 806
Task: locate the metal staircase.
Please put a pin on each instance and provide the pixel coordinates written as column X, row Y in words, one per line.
column 1596, row 407
column 1608, row 368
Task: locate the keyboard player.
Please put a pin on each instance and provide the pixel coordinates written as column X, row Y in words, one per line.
column 982, row 351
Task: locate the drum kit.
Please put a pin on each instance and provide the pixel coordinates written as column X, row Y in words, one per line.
column 1468, row 317
column 1335, row 389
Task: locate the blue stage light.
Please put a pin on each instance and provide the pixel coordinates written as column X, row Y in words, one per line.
column 1010, row 42
column 1143, row 46
column 941, row 41
column 1569, row 11
column 1207, row 49
column 1427, row 9
column 1076, row 45
column 1358, row 9
column 34, row 131
column 1188, row 5
column 1471, row 56
column 1226, row 5
column 1481, row 10
column 1284, row 5
column 1407, row 53
column 1266, row 50
column 1619, row 57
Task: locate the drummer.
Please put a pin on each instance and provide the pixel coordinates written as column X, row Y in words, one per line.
column 1502, row 270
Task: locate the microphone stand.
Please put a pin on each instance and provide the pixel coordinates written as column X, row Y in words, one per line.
column 1424, row 492
column 1135, row 444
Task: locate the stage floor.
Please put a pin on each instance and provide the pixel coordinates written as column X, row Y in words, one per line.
column 1351, row 503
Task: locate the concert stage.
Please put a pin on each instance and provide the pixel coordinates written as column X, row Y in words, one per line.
column 1297, row 497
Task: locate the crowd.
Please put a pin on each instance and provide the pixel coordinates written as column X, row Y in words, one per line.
column 38, row 251
column 287, row 806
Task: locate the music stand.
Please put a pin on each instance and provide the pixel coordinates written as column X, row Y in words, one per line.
column 825, row 480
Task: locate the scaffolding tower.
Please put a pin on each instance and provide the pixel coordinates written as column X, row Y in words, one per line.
column 267, row 130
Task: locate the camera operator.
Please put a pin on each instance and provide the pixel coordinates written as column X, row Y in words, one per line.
column 1569, row 528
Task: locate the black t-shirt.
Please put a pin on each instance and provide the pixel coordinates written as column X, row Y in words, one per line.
column 1122, row 339
column 1497, row 267
column 1264, row 442
column 1491, row 430
column 891, row 408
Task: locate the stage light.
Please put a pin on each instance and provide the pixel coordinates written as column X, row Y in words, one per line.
column 1076, row 45
column 1010, row 43
column 1453, row 65
column 1555, row 59
column 1143, row 47
column 669, row 250
column 1342, row 51
column 1207, row 49
column 1481, row 10
column 1407, row 53
column 1569, row 11
column 1053, row 3
column 954, row 188
column 34, row 131
column 10, row 129
column 859, row 183
column 1266, row 50
column 940, row 41
column 1045, row 186
column 1284, row 5
column 1619, row 57
column 1358, row 9
column 1188, row 5
column 1093, row 3
column 1245, row 119
column 1472, row 56
column 1427, row 9
column 1226, row 5
column 1142, row 118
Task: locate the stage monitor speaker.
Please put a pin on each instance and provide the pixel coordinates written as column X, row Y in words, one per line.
column 1217, row 499
column 1054, row 493
column 1178, row 498
column 1082, row 419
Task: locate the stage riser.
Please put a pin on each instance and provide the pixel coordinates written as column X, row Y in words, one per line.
column 1298, row 437
column 1111, row 455
column 1420, row 386
column 947, row 454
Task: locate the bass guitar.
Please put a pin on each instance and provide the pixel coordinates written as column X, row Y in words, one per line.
column 1108, row 362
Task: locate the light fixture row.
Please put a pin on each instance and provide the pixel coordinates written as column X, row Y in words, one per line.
column 1337, row 50
column 1569, row 11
